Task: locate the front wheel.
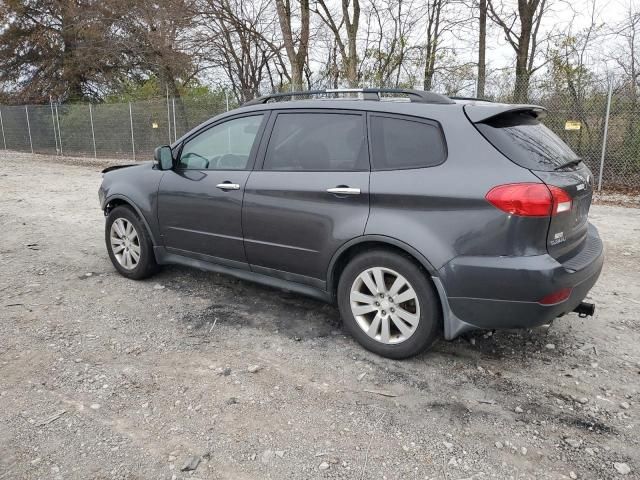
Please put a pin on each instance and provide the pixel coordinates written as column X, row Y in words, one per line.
column 129, row 245
column 389, row 305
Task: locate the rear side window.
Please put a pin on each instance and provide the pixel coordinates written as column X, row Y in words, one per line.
column 527, row 142
column 399, row 143
column 317, row 142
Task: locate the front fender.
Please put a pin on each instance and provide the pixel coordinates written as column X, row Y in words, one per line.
column 153, row 232
column 138, row 187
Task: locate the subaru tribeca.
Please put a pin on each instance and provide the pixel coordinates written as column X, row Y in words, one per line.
column 420, row 217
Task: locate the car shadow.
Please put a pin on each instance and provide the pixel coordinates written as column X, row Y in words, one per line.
column 240, row 303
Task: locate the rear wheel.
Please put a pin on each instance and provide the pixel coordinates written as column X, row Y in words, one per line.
column 388, row 304
column 129, row 245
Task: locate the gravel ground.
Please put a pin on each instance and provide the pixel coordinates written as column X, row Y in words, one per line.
column 103, row 377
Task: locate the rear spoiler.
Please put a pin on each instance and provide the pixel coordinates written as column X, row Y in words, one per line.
column 481, row 112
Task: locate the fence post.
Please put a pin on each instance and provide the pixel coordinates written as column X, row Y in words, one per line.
column 133, row 142
column 604, row 139
column 168, row 114
column 93, row 133
column 4, row 140
column 26, row 109
column 173, row 101
column 53, row 120
column 59, row 131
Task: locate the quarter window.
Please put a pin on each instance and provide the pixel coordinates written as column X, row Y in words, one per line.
column 401, row 143
column 226, row 146
column 317, row 142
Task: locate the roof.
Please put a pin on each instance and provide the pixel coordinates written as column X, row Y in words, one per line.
column 419, row 104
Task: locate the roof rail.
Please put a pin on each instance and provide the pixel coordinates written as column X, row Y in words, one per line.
column 472, row 98
column 417, row 96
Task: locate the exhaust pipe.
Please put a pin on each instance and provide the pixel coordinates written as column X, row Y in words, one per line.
column 585, row 309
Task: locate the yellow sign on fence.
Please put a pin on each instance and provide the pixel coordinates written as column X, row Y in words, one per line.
column 572, row 125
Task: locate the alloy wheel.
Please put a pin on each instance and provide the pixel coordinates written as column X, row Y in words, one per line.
column 385, row 305
column 125, row 243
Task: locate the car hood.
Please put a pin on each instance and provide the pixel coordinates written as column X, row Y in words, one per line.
column 117, row 167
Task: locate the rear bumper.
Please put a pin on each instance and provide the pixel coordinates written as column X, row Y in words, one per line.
column 503, row 292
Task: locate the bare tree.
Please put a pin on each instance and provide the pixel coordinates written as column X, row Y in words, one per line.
column 297, row 59
column 627, row 55
column 241, row 39
column 445, row 20
column 570, row 77
column 521, row 28
column 432, row 40
column 627, row 58
column 482, row 47
column 350, row 20
column 390, row 25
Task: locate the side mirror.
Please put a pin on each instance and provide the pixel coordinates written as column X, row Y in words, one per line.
column 163, row 158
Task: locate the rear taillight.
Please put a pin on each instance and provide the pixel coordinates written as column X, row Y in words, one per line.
column 529, row 199
column 561, row 200
column 556, row 297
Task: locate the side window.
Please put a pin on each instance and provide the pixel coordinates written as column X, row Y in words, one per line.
column 317, row 142
column 402, row 143
column 226, row 146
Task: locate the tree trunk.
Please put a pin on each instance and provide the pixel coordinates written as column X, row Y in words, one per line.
column 526, row 10
column 351, row 66
column 521, row 88
column 72, row 77
column 433, row 38
column 168, row 84
column 298, row 59
column 482, row 46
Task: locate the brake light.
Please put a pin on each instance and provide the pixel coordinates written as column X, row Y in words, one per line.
column 529, row 199
column 556, row 297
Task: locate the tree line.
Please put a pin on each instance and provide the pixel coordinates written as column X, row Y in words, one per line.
column 71, row 50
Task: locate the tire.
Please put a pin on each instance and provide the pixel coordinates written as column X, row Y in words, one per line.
column 412, row 311
column 138, row 241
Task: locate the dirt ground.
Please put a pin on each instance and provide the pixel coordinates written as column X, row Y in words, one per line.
column 103, row 377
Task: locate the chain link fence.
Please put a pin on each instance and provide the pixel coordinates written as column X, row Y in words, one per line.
column 110, row 130
column 602, row 128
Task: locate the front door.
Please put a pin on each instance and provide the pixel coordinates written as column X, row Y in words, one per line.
column 310, row 196
column 200, row 200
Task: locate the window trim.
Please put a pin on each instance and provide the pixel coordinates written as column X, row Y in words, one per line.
column 409, row 118
column 251, row 162
column 266, row 139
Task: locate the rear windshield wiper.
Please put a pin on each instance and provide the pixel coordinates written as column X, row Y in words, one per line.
column 570, row 163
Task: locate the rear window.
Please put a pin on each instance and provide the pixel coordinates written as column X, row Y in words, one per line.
column 400, row 143
column 526, row 142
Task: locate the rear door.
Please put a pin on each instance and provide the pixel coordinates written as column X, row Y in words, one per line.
column 310, row 195
column 522, row 138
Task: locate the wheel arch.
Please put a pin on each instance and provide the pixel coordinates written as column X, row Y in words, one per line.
column 367, row 242
column 118, row 200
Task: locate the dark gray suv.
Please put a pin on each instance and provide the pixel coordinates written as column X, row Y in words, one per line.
column 418, row 214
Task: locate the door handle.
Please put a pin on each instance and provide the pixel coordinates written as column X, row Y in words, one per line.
column 228, row 186
column 344, row 191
